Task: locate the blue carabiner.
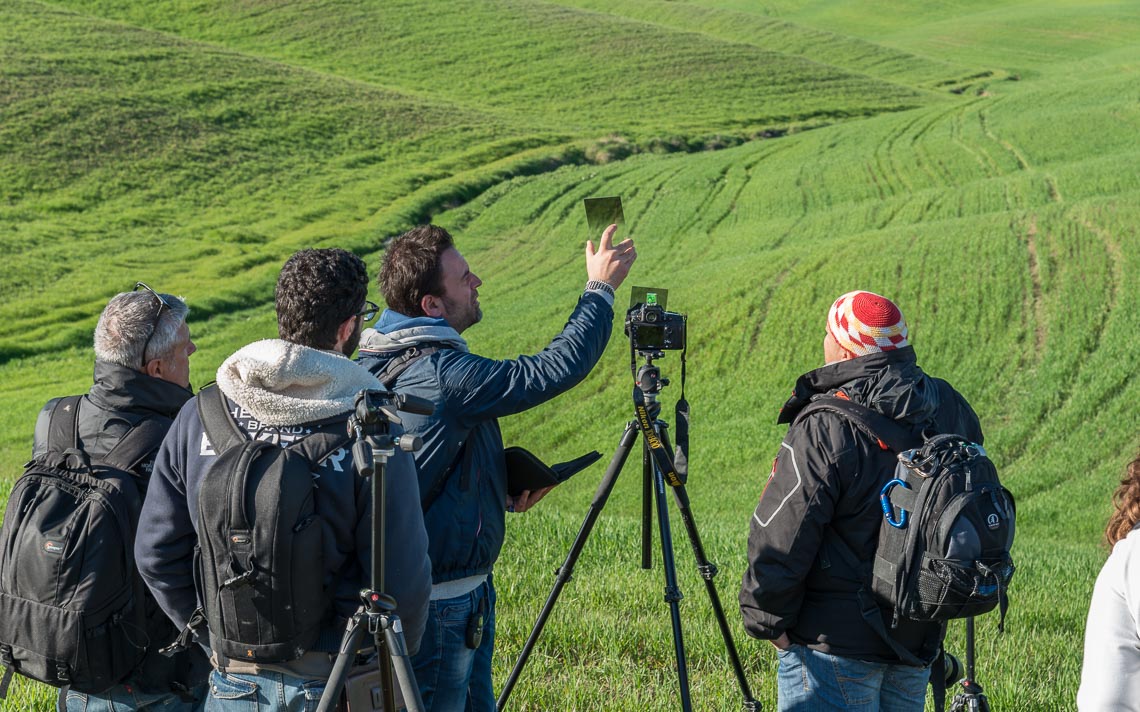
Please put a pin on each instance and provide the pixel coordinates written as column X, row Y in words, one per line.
column 885, row 502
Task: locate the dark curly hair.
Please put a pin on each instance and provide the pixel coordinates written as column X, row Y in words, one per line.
column 316, row 291
column 1127, row 501
column 410, row 269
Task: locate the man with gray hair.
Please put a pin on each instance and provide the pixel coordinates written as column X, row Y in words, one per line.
column 142, row 376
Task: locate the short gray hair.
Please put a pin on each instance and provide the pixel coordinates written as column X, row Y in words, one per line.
column 130, row 319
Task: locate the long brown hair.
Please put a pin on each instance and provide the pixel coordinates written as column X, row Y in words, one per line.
column 1127, row 501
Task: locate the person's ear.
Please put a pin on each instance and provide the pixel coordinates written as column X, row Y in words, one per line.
column 345, row 331
column 153, row 368
column 432, row 305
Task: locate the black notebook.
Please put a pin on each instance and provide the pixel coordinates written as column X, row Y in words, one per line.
column 526, row 472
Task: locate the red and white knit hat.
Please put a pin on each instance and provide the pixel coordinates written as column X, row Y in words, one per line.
column 865, row 323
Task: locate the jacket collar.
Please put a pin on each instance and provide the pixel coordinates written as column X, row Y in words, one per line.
column 889, row 382
column 395, row 332
column 282, row 383
column 124, row 389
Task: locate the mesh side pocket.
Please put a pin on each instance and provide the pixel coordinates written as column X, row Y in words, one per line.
column 950, row 588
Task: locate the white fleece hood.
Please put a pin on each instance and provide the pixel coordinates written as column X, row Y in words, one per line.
column 282, row 383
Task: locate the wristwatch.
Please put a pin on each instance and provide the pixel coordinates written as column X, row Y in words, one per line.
column 600, row 286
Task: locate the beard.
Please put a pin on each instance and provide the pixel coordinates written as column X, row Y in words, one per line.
column 462, row 315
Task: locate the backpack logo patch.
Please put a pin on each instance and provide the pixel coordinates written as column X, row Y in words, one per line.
column 993, row 521
column 53, row 547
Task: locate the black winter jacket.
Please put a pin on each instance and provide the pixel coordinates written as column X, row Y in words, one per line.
column 120, row 399
column 822, row 496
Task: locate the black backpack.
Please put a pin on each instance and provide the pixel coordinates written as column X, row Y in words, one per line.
column 72, row 610
column 944, row 541
column 258, row 560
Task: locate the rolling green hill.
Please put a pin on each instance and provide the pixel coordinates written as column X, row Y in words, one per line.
column 975, row 161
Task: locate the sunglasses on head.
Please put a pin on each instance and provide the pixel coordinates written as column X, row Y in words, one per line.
column 157, row 315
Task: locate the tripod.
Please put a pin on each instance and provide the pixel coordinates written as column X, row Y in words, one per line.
column 972, row 697
column 376, row 615
column 657, row 469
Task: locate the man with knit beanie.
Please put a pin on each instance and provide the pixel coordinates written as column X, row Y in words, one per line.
column 284, row 390
column 814, row 531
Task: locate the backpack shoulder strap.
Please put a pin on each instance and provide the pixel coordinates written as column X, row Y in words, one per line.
column 317, row 446
column 214, row 413
column 388, row 377
column 137, row 444
column 63, row 424
column 888, row 433
column 392, row 370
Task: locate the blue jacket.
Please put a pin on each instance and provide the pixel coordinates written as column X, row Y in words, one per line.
column 461, row 440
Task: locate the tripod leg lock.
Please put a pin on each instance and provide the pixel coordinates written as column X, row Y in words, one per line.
column 708, row 571
column 673, row 594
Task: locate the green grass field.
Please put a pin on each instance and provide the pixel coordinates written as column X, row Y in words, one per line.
column 975, row 161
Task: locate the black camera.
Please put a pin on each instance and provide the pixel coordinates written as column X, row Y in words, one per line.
column 651, row 328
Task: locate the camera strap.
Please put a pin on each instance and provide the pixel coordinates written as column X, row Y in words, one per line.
column 656, row 448
column 662, row 459
column 681, row 456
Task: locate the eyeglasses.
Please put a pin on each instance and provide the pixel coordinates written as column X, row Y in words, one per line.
column 154, row 328
column 369, row 311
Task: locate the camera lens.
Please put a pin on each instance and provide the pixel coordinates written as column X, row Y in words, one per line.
column 953, row 668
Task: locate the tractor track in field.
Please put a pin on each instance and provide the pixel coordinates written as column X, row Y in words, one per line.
column 758, row 312
column 989, row 167
column 1115, row 252
column 1034, row 305
column 744, row 183
column 889, row 155
column 929, row 164
column 1067, row 386
column 718, row 185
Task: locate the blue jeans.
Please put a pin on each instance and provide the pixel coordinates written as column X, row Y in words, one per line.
column 125, row 698
column 241, row 692
column 811, row 681
column 451, row 676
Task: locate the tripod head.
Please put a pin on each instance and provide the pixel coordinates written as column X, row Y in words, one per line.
column 373, row 413
column 648, row 379
column 970, row 699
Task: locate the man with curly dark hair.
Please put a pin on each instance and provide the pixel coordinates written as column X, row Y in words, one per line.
column 284, row 390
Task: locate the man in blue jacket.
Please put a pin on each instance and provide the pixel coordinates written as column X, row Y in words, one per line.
column 416, row 348
column 282, row 390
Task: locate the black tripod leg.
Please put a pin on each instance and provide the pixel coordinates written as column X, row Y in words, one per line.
column 353, row 637
column 567, row 569
column 672, row 590
column 708, row 572
column 402, row 664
